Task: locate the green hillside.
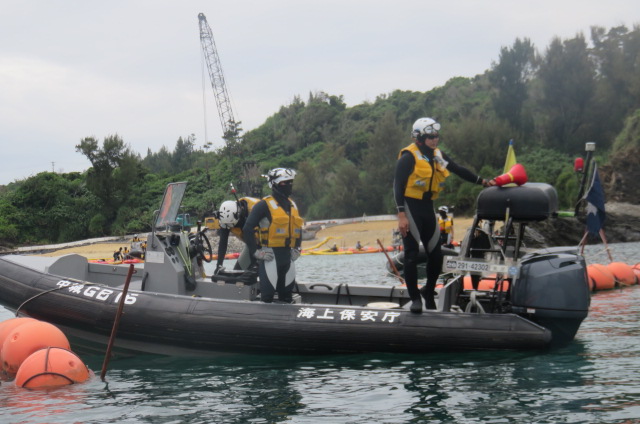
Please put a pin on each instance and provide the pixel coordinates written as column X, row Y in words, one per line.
column 549, row 102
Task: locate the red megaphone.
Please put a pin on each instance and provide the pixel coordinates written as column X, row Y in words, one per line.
column 516, row 174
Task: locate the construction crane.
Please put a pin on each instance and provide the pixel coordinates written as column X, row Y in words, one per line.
column 227, row 120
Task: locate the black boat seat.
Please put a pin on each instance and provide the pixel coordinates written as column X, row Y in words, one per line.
column 236, row 276
column 528, row 202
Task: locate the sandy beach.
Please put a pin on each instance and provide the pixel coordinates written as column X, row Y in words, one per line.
column 346, row 235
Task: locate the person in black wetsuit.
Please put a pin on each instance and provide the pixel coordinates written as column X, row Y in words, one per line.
column 280, row 229
column 232, row 217
column 420, row 174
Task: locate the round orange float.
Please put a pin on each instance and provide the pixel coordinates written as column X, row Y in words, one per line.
column 636, row 270
column 600, row 277
column 623, row 273
column 50, row 367
column 26, row 339
column 8, row 326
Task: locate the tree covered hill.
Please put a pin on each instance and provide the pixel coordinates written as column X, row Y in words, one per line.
column 549, row 102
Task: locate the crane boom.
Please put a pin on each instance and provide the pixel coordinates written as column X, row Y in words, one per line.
column 216, row 76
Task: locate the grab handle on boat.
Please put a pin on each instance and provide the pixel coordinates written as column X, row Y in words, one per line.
column 326, row 286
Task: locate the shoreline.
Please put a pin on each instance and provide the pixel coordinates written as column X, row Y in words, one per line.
column 343, row 235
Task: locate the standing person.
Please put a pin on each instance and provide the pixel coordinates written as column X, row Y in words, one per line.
column 117, row 255
column 421, row 171
column 280, row 227
column 446, row 226
column 232, row 217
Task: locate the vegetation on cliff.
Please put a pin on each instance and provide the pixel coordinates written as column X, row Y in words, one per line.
column 550, row 103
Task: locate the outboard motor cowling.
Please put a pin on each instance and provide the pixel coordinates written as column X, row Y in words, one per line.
column 552, row 290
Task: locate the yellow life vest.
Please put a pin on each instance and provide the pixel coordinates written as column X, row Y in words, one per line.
column 446, row 225
column 284, row 229
column 251, row 202
column 423, row 179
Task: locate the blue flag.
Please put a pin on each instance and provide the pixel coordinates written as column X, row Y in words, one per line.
column 595, row 205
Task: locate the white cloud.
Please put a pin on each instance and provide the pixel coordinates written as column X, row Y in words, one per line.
column 74, row 69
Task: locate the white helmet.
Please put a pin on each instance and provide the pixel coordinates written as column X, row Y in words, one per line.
column 425, row 126
column 443, row 209
column 228, row 215
column 278, row 175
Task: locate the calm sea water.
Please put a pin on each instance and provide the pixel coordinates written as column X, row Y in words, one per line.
column 594, row 380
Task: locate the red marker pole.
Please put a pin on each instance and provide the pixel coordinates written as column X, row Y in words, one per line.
column 393, row 266
column 116, row 323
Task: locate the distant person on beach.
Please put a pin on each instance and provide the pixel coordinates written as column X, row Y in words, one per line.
column 358, row 245
column 334, row 248
column 421, row 171
column 279, row 225
column 117, row 255
column 232, row 216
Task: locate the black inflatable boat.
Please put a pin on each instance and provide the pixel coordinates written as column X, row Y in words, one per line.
column 173, row 309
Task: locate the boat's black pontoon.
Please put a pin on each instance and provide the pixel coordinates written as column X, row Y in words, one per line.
column 173, row 308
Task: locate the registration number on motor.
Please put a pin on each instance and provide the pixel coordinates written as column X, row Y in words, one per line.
column 478, row 267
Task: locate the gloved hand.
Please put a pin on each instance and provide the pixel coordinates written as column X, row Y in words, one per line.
column 488, row 183
column 263, row 255
column 295, row 254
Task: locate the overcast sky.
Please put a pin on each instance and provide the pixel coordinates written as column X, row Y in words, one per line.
column 72, row 69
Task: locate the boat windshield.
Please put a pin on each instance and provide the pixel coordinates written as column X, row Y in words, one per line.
column 171, row 201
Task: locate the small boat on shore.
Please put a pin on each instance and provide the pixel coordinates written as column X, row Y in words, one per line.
column 172, row 308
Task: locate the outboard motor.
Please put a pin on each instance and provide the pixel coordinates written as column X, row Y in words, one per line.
column 553, row 290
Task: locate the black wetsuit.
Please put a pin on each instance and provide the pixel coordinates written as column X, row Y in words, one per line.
column 421, row 212
column 224, row 236
column 282, row 254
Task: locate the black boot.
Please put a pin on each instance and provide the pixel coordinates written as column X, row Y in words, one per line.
column 429, row 302
column 416, row 306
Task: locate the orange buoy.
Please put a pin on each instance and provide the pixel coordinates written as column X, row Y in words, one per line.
column 8, row 326
column 600, row 277
column 623, row 273
column 636, row 270
column 26, row 339
column 50, row 367
column 485, row 284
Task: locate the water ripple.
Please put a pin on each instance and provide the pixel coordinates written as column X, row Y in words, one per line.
column 595, row 379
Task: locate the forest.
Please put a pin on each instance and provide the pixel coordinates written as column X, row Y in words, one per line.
column 549, row 101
